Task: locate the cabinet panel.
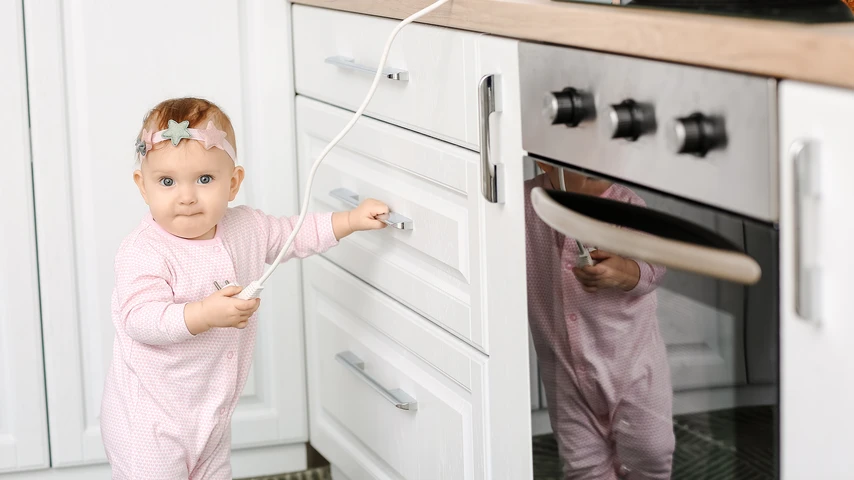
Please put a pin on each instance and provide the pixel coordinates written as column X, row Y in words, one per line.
column 353, row 424
column 503, row 273
column 23, row 413
column 433, row 267
column 92, row 78
column 815, row 231
column 435, row 98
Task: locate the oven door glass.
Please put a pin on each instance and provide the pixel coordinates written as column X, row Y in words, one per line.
column 655, row 326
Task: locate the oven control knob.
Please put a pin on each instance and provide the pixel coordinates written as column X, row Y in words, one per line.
column 569, row 107
column 630, row 120
column 696, row 134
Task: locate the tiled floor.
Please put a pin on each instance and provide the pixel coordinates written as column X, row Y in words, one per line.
column 319, row 473
column 706, row 449
column 318, row 469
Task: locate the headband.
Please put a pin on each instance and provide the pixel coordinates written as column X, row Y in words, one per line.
column 210, row 136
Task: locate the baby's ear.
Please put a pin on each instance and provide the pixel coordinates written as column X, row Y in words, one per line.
column 236, row 180
column 140, row 184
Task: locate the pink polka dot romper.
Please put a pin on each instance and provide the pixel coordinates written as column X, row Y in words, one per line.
column 169, row 395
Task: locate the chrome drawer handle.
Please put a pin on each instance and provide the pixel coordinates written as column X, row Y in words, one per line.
column 349, row 63
column 490, row 174
column 806, row 195
column 398, row 397
column 394, row 220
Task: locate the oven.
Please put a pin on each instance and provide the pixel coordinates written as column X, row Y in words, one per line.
column 652, row 266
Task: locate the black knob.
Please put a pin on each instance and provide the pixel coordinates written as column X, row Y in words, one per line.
column 569, row 107
column 630, row 120
column 696, row 134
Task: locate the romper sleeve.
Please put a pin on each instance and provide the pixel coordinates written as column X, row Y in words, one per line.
column 650, row 275
column 146, row 303
column 650, row 278
column 314, row 237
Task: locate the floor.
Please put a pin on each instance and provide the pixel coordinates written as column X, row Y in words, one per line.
column 706, row 449
column 319, row 473
column 318, row 469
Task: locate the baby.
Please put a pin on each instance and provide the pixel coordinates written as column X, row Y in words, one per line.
column 183, row 346
column 602, row 360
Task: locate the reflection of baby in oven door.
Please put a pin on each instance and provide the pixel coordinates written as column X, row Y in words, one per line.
column 602, row 360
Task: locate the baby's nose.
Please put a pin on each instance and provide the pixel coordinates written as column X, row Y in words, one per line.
column 187, row 196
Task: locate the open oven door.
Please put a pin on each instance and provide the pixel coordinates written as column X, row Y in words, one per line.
column 649, row 235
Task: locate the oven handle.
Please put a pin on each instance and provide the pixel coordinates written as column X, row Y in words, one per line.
column 710, row 261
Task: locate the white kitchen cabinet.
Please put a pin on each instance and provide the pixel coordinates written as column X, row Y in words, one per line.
column 91, row 80
column 433, row 266
column 484, row 412
column 358, row 340
column 23, row 412
column 502, row 227
column 816, row 233
column 433, row 68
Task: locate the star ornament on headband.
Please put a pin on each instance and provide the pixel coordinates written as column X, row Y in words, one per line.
column 175, row 132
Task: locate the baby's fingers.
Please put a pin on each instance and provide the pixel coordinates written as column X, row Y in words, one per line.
column 583, row 275
column 595, row 270
column 248, row 305
column 375, row 207
column 228, row 291
column 377, row 222
column 241, row 319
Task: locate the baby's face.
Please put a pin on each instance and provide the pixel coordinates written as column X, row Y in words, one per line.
column 187, row 188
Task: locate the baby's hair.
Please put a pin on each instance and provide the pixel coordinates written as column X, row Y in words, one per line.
column 197, row 110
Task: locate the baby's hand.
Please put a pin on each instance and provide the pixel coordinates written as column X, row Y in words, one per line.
column 611, row 271
column 220, row 310
column 368, row 215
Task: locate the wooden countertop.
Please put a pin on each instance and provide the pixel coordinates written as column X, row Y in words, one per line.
column 822, row 53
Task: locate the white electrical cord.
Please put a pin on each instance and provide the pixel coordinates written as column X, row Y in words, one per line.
column 253, row 290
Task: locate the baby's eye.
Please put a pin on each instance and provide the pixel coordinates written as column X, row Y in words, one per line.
column 205, row 179
column 167, row 182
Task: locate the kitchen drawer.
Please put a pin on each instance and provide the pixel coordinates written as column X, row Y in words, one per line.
column 434, row 268
column 439, row 98
column 353, row 424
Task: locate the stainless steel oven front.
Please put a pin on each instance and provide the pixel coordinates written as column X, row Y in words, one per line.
column 652, row 265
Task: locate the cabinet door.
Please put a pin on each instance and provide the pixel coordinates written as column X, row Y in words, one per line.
column 95, row 68
column 816, row 150
column 23, row 414
column 502, row 227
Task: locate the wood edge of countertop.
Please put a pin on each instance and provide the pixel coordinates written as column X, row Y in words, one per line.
column 818, row 53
